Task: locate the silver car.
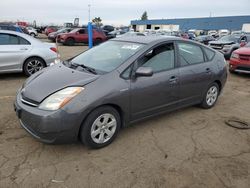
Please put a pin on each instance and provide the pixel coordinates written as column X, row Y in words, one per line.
column 22, row 53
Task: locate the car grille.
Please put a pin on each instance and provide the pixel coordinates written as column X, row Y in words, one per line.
column 29, row 101
column 245, row 57
column 216, row 46
column 243, row 68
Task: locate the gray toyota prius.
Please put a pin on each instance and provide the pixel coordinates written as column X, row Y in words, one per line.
column 93, row 95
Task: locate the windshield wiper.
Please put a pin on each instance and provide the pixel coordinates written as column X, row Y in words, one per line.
column 89, row 69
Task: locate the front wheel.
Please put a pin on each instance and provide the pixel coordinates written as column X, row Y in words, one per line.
column 211, row 96
column 101, row 127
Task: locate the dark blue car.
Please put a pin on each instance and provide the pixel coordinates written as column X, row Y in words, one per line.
column 10, row 27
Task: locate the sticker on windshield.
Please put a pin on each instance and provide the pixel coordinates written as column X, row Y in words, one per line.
column 131, row 46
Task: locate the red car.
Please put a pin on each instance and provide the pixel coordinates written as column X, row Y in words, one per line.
column 240, row 60
column 50, row 29
column 80, row 35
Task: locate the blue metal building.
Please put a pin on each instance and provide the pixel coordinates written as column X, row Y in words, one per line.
column 207, row 23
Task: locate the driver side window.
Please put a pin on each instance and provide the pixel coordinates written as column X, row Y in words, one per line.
column 161, row 58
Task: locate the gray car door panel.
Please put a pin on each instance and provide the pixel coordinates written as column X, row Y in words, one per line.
column 150, row 95
column 194, row 80
column 195, row 73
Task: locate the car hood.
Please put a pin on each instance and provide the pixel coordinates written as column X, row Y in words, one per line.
column 243, row 51
column 52, row 79
column 222, row 42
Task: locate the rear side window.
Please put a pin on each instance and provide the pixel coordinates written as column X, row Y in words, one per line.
column 23, row 41
column 82, row 31
column 209, row 53
column 190, row 54
column 7, row 39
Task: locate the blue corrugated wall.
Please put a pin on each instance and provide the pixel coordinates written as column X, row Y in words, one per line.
column 209, row 23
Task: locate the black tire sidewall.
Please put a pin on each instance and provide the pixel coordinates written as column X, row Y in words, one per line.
column 204, row 101
column 85, row 131
column 70, row 41
column 26, row 63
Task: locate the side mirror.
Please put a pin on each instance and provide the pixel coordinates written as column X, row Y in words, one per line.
column 144, row 71
column 77, row 33
column 149, row 54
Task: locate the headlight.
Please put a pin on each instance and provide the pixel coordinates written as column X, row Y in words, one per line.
column 227, row 46
column 60, row 98
column 234, row 55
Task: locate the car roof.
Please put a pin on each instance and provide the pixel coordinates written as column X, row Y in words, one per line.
column 146, row 39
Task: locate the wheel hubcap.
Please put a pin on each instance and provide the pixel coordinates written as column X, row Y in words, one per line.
column 103, row 128
column 34, row 66
column 212, row 95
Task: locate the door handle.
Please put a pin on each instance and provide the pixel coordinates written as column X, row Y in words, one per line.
column 24, row 49
column 173, row 79
column 208, row 70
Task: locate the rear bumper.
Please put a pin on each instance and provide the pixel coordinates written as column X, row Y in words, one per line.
column 47, row 126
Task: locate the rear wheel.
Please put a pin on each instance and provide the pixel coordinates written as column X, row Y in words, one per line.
column 32, row 65
column 101, row 127
column 70, row 42
column 211, row 96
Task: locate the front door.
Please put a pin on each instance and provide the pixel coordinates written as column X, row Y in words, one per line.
column 150, row 95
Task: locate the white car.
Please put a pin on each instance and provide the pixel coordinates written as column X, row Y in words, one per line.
column 32, row 31
column 22, row 53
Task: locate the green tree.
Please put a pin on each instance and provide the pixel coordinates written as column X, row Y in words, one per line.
column 144, row 16
column 97, row 21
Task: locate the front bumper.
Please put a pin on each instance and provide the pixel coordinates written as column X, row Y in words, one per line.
column 239, row 66
column 48, row 126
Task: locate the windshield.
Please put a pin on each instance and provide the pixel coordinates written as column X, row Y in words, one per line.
column 62, row 30
column 229, row 38
column 107, row 56
column 74, row 30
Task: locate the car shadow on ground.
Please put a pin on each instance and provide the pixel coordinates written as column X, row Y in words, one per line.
column 12, row 76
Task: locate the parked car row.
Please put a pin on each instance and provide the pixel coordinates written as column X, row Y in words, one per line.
column 21, row 29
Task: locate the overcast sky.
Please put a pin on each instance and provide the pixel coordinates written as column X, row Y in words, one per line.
column 116, row 12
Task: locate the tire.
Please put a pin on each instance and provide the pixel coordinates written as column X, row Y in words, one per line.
column 32, row 34
column 94, row 130
column 70, row 42
column 98, row 41
column 211, row 96
column 32, row 65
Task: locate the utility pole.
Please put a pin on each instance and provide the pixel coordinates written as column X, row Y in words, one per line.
column 90, row 31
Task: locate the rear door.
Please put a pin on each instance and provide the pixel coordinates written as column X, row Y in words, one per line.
column 196, row 72
column 13, row 49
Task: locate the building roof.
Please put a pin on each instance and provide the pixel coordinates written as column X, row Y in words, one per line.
column 206, row 23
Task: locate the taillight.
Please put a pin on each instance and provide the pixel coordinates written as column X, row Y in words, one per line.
column 54, row 49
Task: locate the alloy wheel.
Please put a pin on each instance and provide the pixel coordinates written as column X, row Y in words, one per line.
column 103, row 128
column 212, row 95
column 34, row 66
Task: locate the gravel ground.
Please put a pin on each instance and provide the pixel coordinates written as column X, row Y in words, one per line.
column 189, row 148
